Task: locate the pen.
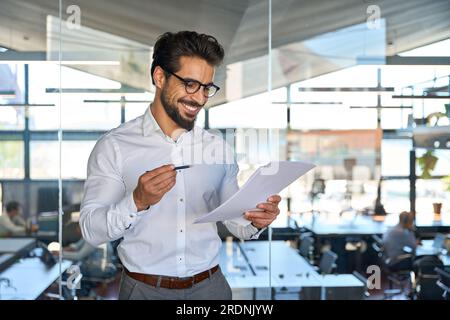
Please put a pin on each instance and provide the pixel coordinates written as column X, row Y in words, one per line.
column 178, row 168
column 181, row 167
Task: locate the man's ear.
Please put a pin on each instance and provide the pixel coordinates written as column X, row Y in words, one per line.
column 159, row 77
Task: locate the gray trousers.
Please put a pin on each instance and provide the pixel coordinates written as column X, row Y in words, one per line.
column 214, row 288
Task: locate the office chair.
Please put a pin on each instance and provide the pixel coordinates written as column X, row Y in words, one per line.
column 97, row 275
column 398, row 270
column 424, row 284
column 349, row 164
column 306, row 247
column 317, row 188
column 327, row 262
column 355, row 246
column 443, row 282
column 89, row 283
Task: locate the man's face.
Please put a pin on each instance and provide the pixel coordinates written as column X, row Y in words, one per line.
column 14, row 213
column 181, row 106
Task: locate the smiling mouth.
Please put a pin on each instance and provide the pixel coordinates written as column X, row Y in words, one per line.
column 191, row 111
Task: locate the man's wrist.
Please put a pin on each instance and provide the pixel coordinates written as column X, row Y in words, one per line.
column 139, row 205
column 259, row 229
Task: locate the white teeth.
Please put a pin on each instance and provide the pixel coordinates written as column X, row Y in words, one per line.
column 190, row 108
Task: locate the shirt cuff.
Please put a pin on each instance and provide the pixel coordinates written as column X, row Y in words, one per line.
column 128, row 211
column 255, row 232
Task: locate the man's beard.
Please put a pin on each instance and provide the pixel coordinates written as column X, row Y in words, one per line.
column 174, row 114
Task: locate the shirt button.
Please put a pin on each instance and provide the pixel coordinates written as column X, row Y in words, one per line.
column 181, row 230
column 181, row 199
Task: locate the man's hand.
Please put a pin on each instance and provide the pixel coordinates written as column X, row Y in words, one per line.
column 262, row 219
column 153, row 185
column 34, row 228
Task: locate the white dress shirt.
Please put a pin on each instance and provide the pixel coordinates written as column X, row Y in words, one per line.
column 10, row 226
column 162, row 240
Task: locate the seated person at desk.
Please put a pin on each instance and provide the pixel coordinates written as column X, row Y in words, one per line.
column 400, row 236
column 12, row 223
column 95, row 262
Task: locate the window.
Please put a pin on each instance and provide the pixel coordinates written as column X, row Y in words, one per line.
column 77, row 114
column 12, row 160
column 395, row 195
column 44, row 160
column 12, row 118
column 306, row 117
column 252, row 112
column 395, row 157
column 83, row 111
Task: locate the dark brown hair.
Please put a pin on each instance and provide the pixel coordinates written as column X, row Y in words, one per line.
column 13, row 205
column 171, row 46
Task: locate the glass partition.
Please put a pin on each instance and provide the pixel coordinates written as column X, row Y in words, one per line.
column 353, row 99
column 30, row 216
column 106, row 57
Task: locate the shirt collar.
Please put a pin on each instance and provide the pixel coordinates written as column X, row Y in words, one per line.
column 149, row 124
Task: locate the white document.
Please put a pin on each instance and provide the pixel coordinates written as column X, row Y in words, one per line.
column 266, row 181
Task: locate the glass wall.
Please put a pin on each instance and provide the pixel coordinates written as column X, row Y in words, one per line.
column 29, row 124
column 106, row 81
column 348, row 87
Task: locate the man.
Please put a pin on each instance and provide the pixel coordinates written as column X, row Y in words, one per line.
column 133, row 192
column 400, row 236
column 12, row 223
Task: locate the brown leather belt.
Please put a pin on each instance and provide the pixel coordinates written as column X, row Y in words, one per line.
column 171, row 282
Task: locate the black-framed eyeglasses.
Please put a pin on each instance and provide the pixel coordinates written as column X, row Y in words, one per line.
column 192, row 86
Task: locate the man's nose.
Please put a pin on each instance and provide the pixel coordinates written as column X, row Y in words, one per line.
column 199, row 96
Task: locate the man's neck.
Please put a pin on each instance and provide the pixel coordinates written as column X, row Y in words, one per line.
column 167, row 125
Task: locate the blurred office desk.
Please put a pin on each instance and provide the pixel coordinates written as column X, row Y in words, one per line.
column 342, row 287
column 232, row 262
column 16, row 245
column 284, row 260
column 29, row 278
column 445, row 258
column 355, row 225
column 46, row 236
column 282, row 274
column 43, row 236
column 428, row 224
column 12, row 249
column 341, row 229
column 427, row 248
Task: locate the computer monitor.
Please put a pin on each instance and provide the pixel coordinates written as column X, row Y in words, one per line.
column 48, row 221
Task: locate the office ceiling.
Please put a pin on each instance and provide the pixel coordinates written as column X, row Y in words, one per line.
column 242, row 27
